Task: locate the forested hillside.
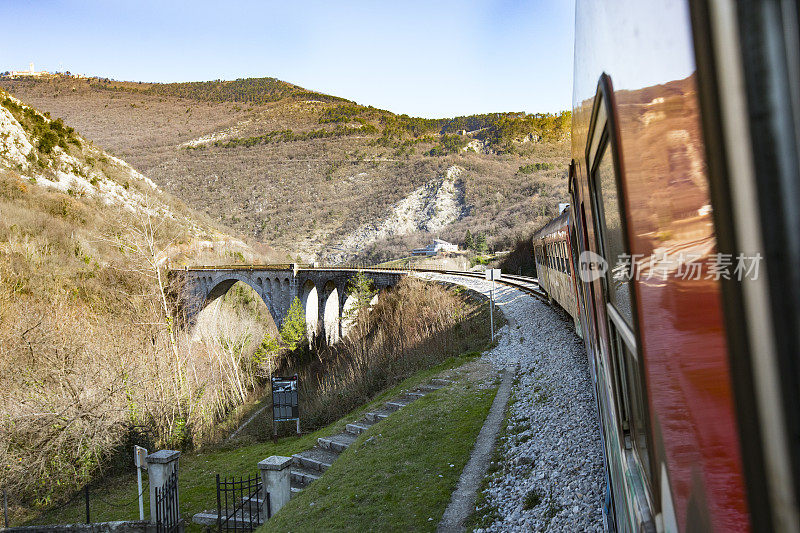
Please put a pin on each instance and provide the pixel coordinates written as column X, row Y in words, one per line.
column 304, row 171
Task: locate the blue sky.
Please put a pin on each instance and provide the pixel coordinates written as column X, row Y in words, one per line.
column 430, row 58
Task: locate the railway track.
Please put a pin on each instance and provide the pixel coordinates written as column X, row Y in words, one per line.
column 523, row 283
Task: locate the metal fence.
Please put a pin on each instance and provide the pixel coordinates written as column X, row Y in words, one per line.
column 240, row 504
column 168, row 515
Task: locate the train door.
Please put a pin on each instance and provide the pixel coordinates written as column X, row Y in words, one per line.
column 618, row 319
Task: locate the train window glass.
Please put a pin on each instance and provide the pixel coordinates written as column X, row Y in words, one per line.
column 613, row 237
column 558, row 252
column 558, row 256
column 620, row 390
column 618, row 291
column 569, row 249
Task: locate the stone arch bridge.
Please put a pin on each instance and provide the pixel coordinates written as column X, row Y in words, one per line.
column 323, row 292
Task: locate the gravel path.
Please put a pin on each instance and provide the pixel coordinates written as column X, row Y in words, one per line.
column 548, row 468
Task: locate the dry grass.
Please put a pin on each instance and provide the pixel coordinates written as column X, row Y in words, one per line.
column 88, row 354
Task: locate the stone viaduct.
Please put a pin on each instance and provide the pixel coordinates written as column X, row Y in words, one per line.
column 323, row 292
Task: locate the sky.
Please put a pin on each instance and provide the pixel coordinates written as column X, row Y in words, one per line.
column 434, row 58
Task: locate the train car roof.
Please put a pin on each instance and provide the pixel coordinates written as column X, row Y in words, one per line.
column 556, row 224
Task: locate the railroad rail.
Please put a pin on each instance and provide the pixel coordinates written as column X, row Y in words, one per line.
column 523, row 283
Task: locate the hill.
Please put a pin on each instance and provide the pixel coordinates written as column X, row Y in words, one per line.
column 84, row 327
column 310, row 173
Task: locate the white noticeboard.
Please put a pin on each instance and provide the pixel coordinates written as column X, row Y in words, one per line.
column 139, row 459
column 492, row 274
column 139, row 455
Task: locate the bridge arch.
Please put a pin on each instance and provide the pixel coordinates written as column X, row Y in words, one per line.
column 310, row 301
column 219, row 287
column 208, row 303
column 330, row 314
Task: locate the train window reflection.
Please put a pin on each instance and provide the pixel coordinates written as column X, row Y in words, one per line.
column 631, row 396
column 613, row 238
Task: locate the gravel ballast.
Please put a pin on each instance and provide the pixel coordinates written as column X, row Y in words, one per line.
column 548, row 469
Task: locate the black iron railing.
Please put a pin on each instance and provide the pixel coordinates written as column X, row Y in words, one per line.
column 240, row 504
column 168, row 515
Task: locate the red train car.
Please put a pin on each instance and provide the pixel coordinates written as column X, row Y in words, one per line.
column 684, row 187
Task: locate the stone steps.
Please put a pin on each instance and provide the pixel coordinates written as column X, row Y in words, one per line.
column 319, row 458
column 398, row 403
column 357, row 428
column 337, row 443
column 309, row 465
column 304, row 476
column 380, row 414
column 316, row 458
column 209, row 518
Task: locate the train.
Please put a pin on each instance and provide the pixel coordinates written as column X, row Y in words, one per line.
column 552, row 253
column 678, row 257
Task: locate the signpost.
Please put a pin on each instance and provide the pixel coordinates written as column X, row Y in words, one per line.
column 492, row 274
column 285, row 402
column 139, row 455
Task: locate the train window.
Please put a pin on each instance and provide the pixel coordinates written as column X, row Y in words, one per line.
column 617, row 286
column 558, row 255
column 555, row 255
column 613, row 237
column 568, row 250
column 622, row 339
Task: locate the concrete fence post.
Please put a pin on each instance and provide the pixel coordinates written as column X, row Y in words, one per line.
column 160, row 465
column 276, row 481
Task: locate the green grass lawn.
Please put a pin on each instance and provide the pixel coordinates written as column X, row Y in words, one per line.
column 116, row 497
column 399, row 475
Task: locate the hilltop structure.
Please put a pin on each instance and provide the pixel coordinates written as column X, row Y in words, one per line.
column 28, row 73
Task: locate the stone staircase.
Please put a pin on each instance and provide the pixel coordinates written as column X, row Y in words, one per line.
column 308, row 466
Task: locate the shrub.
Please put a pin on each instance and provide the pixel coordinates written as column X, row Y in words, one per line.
column 66, row 207
column 293, row 330
column 11, row 187
column 413, row 326
column 533, row 167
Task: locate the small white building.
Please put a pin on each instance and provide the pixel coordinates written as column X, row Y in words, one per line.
column 29, row 73
column 436, row 247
